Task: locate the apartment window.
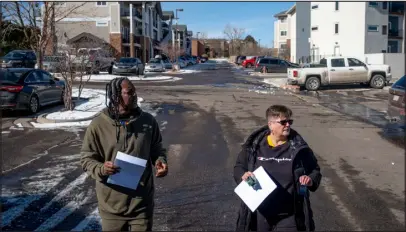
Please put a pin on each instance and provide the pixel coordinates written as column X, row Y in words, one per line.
column 315, row 7
column 336, row 28
column 373, row 4
column 284, row 33
column 384, row 29
column 315, row 28
column 337, row 6
column 102, row 24
column 99, row 3
column 372, row 28
column 385, row 5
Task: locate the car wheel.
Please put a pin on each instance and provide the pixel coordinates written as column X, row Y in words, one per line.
column 377, row 81
column 312, row 83
column 34, row 104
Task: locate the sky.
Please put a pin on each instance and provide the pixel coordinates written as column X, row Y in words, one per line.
column 211, row 17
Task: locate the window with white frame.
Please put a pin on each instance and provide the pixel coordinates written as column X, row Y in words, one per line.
column 373, row 28
column 102, row 23
column 101, row 3
column 284, row 33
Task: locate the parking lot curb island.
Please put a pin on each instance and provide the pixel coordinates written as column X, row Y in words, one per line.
column 42, row 119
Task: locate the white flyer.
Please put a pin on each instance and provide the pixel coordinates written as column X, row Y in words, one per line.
column 254, row 196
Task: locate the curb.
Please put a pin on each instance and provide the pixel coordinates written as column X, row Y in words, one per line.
column 42, row 119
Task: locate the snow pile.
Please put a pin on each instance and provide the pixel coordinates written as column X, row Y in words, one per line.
column 277, row 82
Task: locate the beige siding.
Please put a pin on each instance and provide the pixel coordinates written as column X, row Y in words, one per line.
column 89, row 9
column 73, row 29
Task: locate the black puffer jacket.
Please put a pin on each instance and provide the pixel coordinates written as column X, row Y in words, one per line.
column 303, row 161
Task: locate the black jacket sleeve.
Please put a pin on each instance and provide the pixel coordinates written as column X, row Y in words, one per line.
column 312, row 168
column 241, row 165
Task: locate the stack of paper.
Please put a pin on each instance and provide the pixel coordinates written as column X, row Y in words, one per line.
column 254, row 196
column 131, row 170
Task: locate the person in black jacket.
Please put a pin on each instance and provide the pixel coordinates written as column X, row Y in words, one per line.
column 291, row 164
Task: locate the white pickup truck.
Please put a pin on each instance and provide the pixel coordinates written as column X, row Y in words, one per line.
column 340, row 70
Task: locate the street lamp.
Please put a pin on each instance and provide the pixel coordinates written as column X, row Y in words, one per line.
column 177, row 35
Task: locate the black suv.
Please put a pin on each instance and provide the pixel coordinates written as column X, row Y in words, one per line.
column 19, row 59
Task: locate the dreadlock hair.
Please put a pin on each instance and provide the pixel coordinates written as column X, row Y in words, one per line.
column 113, row 93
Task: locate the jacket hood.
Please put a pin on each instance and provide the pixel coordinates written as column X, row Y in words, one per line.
column 295, row 139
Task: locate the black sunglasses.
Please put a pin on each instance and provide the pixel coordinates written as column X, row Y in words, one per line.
column 283, row 122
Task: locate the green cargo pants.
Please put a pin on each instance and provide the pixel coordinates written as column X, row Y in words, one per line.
column 127, row 225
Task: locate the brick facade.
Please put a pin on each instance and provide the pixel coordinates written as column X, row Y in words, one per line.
column 116, row 43
column 197, row 48
column 145, row 48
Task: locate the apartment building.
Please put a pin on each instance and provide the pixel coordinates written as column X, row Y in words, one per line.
column 292, row 32
column 356, row 28
column 132, row 29
column 182, row 38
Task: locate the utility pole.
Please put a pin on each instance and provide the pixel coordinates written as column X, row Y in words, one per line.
column 177, row 38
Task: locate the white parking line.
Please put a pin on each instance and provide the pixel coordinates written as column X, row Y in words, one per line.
column 94, row 216
column 78, row 181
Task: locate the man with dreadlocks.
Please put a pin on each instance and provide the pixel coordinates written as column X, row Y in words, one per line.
column 123, row 126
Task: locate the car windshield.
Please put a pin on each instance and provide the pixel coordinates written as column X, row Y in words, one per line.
column 11, row 76
column 14, row 55
column 126, row 60
column 154, row 61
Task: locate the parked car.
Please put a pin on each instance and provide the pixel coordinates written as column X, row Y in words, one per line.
column 128, row 65
column 274, row 65
column 203, row 59
column 19, row 59
column 340, row 70
column 181, row 62
column 168, row 64
column 155, row 65
column 94, row 59
column 29, row 89
column 397, row 100
column 53, row 63
column 249, row 62
column 241, row 59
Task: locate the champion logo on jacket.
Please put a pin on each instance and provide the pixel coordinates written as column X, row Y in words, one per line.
column 276, row 159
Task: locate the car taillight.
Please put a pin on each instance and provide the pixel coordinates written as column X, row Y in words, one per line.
column 12, row 89
column 294, row 73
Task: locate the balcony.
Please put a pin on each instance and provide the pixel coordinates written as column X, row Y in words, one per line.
column 395, row 33
column 126, row 40
column 397, row 8
column 125, row 12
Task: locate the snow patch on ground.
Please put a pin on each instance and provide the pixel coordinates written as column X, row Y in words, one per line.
column 277, row 82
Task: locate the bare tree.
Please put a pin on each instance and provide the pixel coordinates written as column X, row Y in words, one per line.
column 75, row 67
column 36, row 20
column 234, row 35
column 170, row 51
